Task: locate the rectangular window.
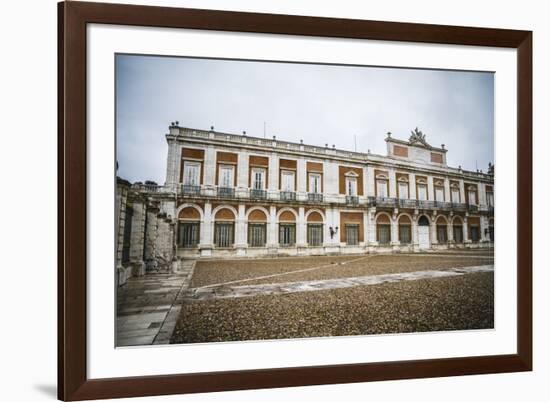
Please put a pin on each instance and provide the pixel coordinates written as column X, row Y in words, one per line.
column 455, row 195
column 258, row 179
column 223, row 234
column 472, row 198
column 383, row 233
column 225, row 178
column 457, row 234
column 287, row 234
column 314, row 183
column 442, row 233
column 351, row 186
column 256, row 234
column 188, row 234
column 288, row 181
column 492, row 233
column 405, row 234
column 490, row 199
column 439, row 194
column 474, row 233
column 315, row 234
column 382, row 188
column 352, row 235
column 422, row 192
column 403, row 190
column 191, row 173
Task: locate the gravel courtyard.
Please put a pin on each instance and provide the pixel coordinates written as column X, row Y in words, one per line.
column 420, row 292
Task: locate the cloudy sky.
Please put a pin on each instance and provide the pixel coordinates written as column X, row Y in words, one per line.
column 317, row 103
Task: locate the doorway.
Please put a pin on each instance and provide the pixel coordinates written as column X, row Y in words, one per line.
column 423, row 233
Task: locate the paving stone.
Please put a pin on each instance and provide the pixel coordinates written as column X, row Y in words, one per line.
column 144, row 304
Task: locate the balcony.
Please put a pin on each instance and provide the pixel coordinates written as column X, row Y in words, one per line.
column 423, row 204
column 226, row 192
column 444, row 206
column 352, row 200
column 386, row 202
column 473, row 208
column 315, row 197
column 287, row 196
column 188, row 189
column 458, row 206
column 406, row 203
column 256, row 194
column 491, row 209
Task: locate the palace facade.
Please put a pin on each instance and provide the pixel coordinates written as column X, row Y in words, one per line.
column 230, row 195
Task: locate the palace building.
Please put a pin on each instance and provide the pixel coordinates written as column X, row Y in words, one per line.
column 230, row 195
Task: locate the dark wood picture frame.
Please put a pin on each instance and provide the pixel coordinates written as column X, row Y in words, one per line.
column 73, row 383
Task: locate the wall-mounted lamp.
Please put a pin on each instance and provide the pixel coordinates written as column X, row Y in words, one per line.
column 333, row 231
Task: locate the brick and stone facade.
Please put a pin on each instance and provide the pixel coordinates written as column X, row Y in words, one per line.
column 234, row 195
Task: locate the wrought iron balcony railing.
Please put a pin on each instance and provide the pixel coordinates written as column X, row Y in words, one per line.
column 445, row 206
column 472, row 208
column 287, row 196
column 386, row 202
column 256, row 194
column 315, row 197
column 226, row 192
column 352, row 199
column 423, row 204
column 188, row 189
column 405, row 203
column 458, row 206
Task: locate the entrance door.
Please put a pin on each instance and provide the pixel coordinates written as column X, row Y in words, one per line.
column 423, row 233
column 423, row 237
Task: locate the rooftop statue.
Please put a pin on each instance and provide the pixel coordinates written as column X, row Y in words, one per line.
column 418, row 136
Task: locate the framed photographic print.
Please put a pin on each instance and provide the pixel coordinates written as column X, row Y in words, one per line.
column 253, row 200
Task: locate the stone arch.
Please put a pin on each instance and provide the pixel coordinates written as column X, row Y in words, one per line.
column 383, row 229
column 287, row 216
column 386, row 219
column 224, row 212
column 254, row 211
column 315, row 215
column 257, row 215
column 404, row 234
column 229, row 207
column 189, row 213
column 407, row 221
column 193, row 206
column 441, row 220
column 423, row 220
column 459, row 219
column 284, row 214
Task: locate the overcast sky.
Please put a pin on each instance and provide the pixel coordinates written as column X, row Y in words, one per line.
column 317, row 103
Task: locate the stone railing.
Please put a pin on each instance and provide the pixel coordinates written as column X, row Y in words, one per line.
column 272, row 143
column 149, row 188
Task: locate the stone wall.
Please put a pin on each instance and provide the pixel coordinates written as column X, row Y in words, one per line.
column 145, row 232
